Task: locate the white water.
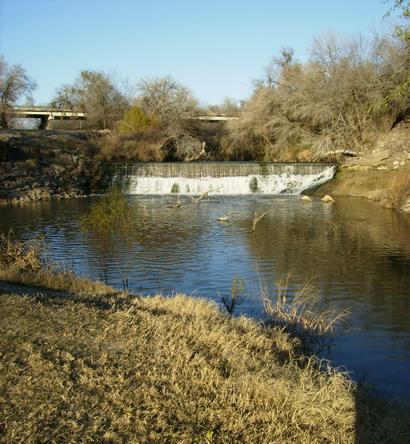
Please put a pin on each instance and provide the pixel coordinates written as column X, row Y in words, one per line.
column 289, row 182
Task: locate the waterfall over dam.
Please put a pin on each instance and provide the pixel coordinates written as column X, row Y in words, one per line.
column 224, row 178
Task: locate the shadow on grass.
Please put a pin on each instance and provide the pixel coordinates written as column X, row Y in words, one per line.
column 52, row 297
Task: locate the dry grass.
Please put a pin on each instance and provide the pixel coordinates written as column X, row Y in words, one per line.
column 20, row 255
column 160, row 370
column 137, row 147
column 24, row 262
column 301, row 314
column 166, row 370
column 399, row 189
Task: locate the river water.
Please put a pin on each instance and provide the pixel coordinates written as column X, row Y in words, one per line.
column 357, row 254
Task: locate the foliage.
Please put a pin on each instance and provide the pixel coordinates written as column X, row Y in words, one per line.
column 112, row 215
column 14, row 84
column 175, row 188
column 96, row 94
column 253, row 184
column 116, row 225
column 233, row 299
column 134, row 121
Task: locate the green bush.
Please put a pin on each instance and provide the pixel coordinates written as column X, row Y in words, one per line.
column 110, row 216
column 175, row 188
column 253, row 185
column 135, row 121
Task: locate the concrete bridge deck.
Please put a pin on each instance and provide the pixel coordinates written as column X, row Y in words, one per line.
column 45, row 114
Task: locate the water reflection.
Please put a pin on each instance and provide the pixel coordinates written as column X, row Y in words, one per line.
column 358, row 254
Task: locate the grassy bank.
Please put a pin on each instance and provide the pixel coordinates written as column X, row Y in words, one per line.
column 86, row 363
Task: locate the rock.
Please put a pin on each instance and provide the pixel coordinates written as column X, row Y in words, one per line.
column 368, row 160
column 382, row 168
column 328, row 199
column 396, row 162
column 406, row 206
column 358, row 167
column 305, row 199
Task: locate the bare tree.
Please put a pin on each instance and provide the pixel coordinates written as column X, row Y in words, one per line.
column 96, row 94
column 332, row 101
column 273, row 71
column 229, row 107
column 166, row 100
column 14, row 84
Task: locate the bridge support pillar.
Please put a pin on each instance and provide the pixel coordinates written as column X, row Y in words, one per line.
column 43, row 122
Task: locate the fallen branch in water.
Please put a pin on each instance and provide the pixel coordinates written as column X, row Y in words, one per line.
column 256, row 219
column 196, row 200
column 177, row 204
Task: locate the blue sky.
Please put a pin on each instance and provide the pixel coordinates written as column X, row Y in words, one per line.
column 214, row 47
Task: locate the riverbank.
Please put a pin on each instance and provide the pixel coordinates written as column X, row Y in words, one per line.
column 84, row 362
column 383, row 175
column 40, row 165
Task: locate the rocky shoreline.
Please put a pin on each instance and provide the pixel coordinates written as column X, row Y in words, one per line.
column 46, row 182
column 382, row 175
column 42, row 165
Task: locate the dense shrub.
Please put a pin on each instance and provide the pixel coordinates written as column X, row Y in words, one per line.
column 335, row 100
column 143, row 146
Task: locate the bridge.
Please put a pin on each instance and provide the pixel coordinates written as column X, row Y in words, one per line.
column 47, row 114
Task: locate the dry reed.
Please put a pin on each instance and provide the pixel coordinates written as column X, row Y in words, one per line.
column 302, row 315
column 399, row 189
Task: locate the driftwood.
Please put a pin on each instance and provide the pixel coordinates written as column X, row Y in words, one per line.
column 222, row 218
column 177, row 204
column 196, row 200
column 256, row 219
column 349, row 153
